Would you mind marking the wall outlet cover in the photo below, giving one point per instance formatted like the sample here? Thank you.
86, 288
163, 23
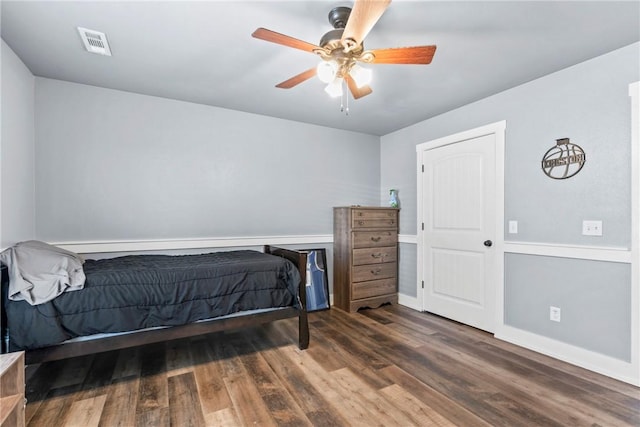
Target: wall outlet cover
591, 228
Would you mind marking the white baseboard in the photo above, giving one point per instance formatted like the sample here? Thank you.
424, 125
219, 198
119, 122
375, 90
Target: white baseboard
411, 302
596, 362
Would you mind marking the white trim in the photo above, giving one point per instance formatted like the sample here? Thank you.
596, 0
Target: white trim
490, 129
592, 253
419, 232
411, 239
634, 93
106, 246
596, 362
411, 302
500, 135
497, 129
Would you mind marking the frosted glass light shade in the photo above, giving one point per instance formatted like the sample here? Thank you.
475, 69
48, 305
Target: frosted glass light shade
334, 89
361, 76
326, 71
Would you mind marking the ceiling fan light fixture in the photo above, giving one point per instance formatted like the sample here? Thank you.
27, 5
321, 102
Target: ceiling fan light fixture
360, 75
327, 71
339, 50
334, 89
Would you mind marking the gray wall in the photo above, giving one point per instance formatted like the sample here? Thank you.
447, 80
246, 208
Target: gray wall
17, 201
538, 282
116, 165
588, 103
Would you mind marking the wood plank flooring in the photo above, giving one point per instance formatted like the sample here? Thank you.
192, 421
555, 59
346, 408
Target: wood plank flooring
385, 367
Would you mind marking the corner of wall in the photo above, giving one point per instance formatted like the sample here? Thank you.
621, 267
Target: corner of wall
17, 145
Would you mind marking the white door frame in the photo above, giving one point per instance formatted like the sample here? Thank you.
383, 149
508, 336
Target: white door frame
634, 376
498, 130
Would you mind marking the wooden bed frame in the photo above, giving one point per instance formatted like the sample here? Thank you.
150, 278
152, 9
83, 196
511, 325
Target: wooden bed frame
133, 339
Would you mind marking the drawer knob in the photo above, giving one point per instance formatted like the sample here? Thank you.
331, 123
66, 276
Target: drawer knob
375, 272
361, 222
376, 239
379, 255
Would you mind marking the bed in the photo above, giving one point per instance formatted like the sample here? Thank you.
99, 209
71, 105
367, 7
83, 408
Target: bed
141, 299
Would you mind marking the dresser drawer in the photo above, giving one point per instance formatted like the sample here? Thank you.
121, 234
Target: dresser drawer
363, 218
374, 288
368, 239
375, 255
362, 273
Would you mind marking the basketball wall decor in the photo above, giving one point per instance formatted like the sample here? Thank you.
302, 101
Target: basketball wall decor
564, 160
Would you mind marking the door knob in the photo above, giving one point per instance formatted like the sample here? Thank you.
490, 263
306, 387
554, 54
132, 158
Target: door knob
488, 243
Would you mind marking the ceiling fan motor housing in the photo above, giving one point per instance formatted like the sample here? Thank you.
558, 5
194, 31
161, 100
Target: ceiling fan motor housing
339, 16
332, 40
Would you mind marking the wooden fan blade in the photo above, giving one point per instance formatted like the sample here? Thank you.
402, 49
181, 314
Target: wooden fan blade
404, 55
363, 17
296, 80
273, 37
357, 92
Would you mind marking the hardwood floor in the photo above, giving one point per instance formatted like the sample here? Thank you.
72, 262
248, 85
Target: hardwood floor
389, 367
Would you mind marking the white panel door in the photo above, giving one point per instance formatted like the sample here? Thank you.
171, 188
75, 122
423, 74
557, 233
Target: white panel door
459, 220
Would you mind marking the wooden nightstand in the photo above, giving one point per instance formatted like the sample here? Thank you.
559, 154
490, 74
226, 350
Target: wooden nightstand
12, 389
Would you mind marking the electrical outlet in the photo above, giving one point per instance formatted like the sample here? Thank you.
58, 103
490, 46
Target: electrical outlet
554, 314
591, 228
513, 227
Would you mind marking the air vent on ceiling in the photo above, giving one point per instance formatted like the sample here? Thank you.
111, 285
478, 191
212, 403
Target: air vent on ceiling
95, 41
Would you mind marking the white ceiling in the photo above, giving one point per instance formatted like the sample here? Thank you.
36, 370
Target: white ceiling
203, 51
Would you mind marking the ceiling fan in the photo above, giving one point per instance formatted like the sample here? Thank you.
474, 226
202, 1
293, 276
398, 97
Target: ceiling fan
342, 48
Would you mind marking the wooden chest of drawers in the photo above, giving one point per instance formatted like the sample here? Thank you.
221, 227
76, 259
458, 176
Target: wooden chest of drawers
365, 257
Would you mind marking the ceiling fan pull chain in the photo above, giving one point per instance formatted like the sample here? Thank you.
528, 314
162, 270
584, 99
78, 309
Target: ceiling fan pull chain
346, 95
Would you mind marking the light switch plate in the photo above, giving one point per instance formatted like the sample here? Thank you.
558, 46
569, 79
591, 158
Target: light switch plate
591, 228
513, 227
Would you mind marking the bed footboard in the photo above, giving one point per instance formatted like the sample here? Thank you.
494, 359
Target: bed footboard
298, 258
4, 328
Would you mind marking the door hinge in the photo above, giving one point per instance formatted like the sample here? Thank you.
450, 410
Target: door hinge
423, 284
423, 226
422, 168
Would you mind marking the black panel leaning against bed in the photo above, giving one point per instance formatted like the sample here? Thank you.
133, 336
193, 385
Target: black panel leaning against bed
182, 293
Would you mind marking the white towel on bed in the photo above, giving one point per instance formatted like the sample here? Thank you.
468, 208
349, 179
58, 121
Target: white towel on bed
39, 272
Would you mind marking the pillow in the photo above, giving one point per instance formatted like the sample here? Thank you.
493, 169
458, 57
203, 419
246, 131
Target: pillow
39, 272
